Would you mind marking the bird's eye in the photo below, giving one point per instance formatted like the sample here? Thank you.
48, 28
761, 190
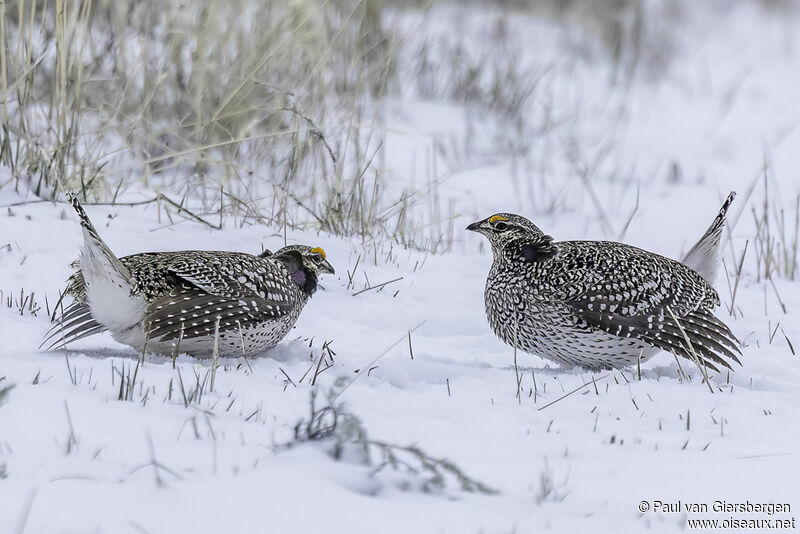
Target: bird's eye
316, 258
500, 226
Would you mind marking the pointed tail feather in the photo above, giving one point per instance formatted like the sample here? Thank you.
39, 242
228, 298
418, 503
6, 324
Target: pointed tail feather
703, 257
105, 279
94, 243
62, 342
75, 323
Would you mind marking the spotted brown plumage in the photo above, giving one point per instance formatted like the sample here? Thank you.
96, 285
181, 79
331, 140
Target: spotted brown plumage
186, 301
602, 304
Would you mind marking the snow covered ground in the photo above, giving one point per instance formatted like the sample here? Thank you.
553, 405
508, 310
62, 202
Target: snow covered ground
420, 364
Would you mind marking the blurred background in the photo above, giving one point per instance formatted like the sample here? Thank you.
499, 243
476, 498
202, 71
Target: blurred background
381, 118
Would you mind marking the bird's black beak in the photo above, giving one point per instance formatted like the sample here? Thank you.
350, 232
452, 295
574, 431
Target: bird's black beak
475, 227
327, 267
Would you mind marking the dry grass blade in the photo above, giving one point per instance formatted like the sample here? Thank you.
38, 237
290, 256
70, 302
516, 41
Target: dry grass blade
734, 290
377, 286
215, 355
577, 389
375, 360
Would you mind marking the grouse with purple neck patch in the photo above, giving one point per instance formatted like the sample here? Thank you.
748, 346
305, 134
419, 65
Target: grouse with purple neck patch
189, 301
601, 304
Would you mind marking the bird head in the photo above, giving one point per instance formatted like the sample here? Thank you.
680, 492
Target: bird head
311, 258
504, 228
304, 264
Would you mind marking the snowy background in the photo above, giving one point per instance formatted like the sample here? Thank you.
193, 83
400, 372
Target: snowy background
379, 130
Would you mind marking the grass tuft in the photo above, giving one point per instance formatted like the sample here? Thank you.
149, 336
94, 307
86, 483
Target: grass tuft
344, 437
21, 303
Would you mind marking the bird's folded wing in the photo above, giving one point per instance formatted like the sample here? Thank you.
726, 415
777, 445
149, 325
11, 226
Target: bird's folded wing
644, 308
188, 311
232, 275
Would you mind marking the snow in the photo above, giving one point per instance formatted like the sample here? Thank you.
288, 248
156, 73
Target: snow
77, 459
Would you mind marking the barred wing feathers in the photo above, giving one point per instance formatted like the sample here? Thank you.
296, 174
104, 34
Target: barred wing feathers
634, 298
256, 292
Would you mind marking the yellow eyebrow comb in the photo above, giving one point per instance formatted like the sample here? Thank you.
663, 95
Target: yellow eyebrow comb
495, 218
319, 251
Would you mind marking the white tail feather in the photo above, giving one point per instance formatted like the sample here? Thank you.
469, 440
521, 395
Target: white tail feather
704, 257
108, 288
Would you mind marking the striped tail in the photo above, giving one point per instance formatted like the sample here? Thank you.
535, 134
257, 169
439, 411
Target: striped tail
76, 322
704, 257
107, 281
